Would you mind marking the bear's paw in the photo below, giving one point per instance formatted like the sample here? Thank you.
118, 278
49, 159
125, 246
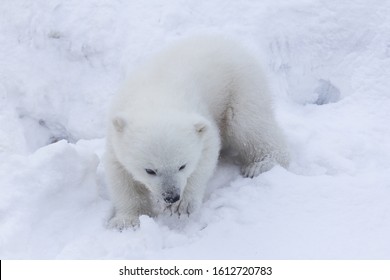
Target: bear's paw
255, 168
123, 222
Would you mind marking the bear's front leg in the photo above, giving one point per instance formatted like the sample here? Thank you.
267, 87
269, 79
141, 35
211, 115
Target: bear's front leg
193, 193
190, 202
121, 221
130, 200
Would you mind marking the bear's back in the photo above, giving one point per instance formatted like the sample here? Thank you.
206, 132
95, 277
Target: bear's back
202, 74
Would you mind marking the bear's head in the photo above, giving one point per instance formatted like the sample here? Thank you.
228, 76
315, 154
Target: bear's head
161, 153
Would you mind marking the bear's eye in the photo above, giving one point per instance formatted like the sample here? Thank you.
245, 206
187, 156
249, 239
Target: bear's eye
182, 167
150, 171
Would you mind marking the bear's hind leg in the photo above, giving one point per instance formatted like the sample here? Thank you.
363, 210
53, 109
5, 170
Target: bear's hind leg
255, 135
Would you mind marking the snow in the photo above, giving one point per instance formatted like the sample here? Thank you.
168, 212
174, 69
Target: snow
329, 68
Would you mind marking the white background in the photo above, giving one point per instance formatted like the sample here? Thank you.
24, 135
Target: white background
281, 270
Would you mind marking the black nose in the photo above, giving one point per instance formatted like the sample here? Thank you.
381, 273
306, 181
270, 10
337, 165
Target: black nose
171, 197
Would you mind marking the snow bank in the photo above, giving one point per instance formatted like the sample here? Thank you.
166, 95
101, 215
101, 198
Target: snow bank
329, 67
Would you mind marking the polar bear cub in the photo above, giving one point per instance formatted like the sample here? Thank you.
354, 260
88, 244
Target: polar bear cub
174, 115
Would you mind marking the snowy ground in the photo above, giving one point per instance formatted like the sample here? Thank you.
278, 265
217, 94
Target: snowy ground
61, 61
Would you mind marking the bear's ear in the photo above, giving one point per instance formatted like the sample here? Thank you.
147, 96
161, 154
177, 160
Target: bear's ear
200, 128
119, 123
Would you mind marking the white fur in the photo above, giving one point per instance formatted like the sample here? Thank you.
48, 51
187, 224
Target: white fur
181, 108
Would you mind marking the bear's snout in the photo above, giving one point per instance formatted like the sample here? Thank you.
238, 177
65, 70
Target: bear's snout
171, 196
